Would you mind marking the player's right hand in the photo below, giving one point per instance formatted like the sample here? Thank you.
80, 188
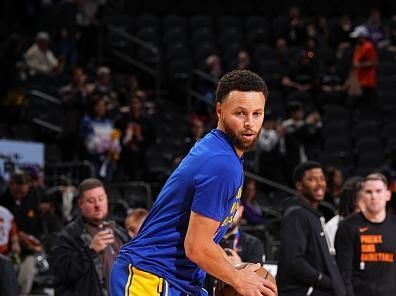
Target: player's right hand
101, 240
250, 284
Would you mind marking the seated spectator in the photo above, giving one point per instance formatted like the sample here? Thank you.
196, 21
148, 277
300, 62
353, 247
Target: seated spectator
39, 58
104, 88
134, 221
253, 213
129, 89
339, 35
296, 33
137, 135
101, 140
196, 132
282, 52
239, 247
302, 136
8, 280
332, 82
25, 207
351, 201
82, 254
301, 76
243, 61
73, 96
9, 233
268, 149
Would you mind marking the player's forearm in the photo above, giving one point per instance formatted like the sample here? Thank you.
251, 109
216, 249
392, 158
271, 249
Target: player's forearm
210, 258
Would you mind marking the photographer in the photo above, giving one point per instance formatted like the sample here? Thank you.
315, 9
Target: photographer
83, 252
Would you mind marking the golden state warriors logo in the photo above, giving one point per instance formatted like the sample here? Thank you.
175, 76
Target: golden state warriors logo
233, 210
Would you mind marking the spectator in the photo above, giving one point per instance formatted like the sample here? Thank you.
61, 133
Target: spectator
282, 52
335, 180
302, 136
82, 254
73, 96
268, 149
239, 247
339, 38
244, 61
376, 30
8, 279
9, 233
307, 263
134, 221
137, 135
196, 132
351, 201
252, 213
365, 65
68, 31
104, 88
100, 140
296, 33
366, 243
130, 88
391, 44
40, 58
301, 75
25, 208
332, 82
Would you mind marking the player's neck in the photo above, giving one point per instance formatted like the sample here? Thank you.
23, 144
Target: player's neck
237, 151
375, 217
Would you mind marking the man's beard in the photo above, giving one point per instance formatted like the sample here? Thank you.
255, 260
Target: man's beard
237, 140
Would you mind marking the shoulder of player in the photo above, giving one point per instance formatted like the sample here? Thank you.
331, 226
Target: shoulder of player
351, 221
220, 162
391, 218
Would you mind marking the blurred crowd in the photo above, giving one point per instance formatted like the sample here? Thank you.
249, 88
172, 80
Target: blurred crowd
63, 238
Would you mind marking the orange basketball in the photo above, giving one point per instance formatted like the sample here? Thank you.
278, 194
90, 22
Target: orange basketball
223, 289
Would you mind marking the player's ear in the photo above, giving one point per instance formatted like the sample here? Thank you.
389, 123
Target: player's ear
219, 108
388, 195
298, 185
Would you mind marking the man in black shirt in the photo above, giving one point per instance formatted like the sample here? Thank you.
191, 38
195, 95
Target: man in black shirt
366, 243
306, 262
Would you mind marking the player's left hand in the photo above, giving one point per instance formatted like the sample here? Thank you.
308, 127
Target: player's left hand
233, 257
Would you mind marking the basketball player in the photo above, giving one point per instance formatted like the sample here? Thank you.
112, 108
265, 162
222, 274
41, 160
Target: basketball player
178, 241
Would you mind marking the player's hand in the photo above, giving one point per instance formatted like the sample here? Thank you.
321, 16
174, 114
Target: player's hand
250, 284
101, 240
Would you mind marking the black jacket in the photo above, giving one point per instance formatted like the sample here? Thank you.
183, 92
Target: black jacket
73, 261
305, 263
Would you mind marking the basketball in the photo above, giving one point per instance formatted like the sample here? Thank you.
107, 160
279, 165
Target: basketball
223, 289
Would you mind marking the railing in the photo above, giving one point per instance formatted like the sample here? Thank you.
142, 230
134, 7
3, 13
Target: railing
155, 72
68, 173
135, 194
192, 93
45, 110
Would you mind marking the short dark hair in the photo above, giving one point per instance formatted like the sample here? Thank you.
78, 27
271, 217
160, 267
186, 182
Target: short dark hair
88, 184
239, 80
300, 170
377, 177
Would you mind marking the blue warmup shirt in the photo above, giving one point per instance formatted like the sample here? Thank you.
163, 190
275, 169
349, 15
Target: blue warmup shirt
209, 182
